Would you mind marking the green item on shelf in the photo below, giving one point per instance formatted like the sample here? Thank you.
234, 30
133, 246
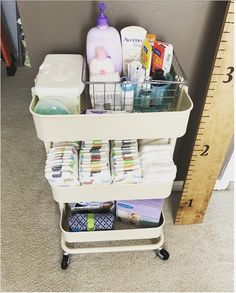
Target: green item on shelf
51, 107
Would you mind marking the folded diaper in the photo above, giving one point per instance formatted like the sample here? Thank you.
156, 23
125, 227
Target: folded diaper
156, 161
61, 168
94, 167
125, 161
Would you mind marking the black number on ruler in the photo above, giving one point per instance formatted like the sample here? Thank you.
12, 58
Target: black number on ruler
190, 203
230, 76
205, 153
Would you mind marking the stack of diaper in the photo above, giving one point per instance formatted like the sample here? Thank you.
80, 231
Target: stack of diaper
94, 165
125, 161
61, 167
156, 160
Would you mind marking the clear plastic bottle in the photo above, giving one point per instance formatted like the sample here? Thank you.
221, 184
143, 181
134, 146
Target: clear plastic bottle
104, 36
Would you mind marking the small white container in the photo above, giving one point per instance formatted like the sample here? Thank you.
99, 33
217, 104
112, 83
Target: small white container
60, 77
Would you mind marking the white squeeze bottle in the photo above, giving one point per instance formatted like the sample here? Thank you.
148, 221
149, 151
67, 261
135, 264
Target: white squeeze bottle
101, 64
104, 36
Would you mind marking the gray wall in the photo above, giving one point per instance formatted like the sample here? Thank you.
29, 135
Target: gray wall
191, 26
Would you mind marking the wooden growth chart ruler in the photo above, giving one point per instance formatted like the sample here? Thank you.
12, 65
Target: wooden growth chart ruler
214, 133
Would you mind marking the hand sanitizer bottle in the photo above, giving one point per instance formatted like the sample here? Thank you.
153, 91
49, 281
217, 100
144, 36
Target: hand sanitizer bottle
104, 36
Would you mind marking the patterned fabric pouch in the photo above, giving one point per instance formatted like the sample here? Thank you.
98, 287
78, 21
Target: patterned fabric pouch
90, 222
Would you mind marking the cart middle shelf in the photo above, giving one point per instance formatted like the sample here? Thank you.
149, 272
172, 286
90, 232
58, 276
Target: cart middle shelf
109, 192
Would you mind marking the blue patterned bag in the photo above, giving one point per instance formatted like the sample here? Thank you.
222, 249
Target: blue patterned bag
90, 222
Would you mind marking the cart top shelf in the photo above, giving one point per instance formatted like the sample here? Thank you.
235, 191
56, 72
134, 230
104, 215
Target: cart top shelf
114, 126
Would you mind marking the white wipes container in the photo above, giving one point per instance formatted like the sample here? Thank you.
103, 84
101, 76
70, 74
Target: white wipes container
59, 78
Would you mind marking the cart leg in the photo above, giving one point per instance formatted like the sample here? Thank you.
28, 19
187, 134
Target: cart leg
65, 261
162, 253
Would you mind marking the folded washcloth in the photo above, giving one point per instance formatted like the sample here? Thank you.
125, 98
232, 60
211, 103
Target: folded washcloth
157, 168
150, 148
158, 141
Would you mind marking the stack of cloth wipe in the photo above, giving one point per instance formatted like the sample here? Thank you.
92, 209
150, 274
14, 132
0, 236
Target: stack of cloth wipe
156, 160
94, 167
125, 161
61, 167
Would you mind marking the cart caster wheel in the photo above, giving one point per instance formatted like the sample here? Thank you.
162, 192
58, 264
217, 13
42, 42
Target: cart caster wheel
163, 254
65, 262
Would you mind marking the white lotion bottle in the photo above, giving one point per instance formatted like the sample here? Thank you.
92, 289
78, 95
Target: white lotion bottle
104, 36
101, 64
132, 39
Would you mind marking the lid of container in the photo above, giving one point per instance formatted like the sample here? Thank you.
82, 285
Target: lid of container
151, 37
60, 75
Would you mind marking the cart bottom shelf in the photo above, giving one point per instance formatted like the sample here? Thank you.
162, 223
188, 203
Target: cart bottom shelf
69, 248
110, 246
124, 237
121, 232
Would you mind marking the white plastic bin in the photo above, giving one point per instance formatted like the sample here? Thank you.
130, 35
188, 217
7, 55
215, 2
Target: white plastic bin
59, 77
114, 126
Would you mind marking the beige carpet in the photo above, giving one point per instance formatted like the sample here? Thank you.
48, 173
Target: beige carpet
201, 256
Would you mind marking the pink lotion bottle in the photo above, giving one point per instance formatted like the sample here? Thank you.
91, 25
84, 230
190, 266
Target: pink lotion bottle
101, 64
104, 36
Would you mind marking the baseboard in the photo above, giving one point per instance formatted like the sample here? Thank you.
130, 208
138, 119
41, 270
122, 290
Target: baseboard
177, 186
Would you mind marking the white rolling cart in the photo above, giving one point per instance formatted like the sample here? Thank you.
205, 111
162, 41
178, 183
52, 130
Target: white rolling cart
170, 123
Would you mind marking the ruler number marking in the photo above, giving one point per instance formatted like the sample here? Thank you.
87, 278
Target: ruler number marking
205, 151
230, 74
190, 203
